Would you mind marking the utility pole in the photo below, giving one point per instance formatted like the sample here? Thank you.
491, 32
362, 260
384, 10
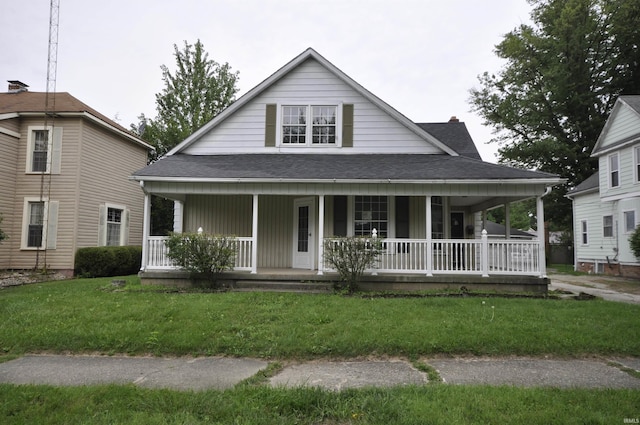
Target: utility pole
49, 116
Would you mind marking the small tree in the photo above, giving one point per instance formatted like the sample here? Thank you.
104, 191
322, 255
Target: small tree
3, 235
351, 256
634, 242
202, 254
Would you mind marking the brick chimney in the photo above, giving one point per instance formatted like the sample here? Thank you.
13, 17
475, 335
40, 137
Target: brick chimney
16, 86
454, 119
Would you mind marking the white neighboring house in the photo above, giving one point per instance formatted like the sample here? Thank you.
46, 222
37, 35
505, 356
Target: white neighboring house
606, 206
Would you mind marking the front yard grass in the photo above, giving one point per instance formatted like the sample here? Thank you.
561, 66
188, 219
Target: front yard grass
93, 316
90, 315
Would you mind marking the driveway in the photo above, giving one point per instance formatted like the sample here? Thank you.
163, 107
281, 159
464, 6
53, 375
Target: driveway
610, 288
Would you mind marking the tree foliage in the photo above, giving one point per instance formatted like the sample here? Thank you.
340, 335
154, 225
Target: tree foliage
562, 76
193, 94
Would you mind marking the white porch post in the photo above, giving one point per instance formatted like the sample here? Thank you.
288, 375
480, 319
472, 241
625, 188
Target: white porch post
429, 237
254, 237
178, 208
146, 229
320, 233
484, 255
541, 237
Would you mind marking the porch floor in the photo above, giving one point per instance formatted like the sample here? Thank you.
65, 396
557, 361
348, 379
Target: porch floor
302, 280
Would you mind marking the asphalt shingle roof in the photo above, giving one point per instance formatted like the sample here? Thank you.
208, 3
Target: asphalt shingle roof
591, 182
333, 166
455, 135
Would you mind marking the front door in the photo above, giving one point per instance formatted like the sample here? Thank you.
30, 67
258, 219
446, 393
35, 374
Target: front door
303, 233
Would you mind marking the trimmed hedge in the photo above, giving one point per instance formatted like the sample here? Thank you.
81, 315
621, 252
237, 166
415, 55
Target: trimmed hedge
107, 261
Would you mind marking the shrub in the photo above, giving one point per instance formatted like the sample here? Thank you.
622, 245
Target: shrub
634, 242
3, 235
351, 256
202, 254
106, 261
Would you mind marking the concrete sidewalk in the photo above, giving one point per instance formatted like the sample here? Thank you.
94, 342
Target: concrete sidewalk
223, 373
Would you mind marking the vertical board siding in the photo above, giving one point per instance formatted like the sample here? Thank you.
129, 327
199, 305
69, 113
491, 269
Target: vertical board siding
219, 215
275, 231
373, 130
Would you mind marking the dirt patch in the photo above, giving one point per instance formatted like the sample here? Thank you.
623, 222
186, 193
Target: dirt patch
613, 283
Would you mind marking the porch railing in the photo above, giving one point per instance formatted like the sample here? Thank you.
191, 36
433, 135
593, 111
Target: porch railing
448, 256
157, 258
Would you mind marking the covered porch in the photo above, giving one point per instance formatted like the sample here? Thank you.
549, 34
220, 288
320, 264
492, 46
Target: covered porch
432, 233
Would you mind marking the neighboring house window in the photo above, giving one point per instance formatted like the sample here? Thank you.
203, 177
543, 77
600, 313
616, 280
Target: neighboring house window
607, 226
308, 124
39, 224
35, 211
629, 221
636, 155
44, 149
437, 218
585, 237
113, 228
371, 212
614, 171
40, 151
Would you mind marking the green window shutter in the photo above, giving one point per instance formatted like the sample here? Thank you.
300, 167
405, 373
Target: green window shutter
102, 226
56, 151
347, 125
52, 225
340, 216
270, 125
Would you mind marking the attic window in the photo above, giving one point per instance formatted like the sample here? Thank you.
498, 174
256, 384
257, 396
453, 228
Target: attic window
309, 125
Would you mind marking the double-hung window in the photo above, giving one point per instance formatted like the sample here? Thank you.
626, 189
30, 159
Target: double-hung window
38, 150
309, 125
607, 226
584, 231
614, 171
35, 217
114, 226
371, 212
629, 221
636, 156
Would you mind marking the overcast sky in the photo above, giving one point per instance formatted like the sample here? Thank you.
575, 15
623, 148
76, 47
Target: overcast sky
420, 56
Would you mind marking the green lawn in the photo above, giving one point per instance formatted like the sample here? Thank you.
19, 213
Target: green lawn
89, 315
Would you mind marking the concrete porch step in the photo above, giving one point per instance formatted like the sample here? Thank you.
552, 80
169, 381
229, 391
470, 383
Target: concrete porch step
282, 286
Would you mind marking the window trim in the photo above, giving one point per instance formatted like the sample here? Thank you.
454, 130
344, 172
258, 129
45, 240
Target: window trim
24, 239
104, 224
584, 232
309, 124
636, 163
613, 171
635, 223
604, 227
31, 147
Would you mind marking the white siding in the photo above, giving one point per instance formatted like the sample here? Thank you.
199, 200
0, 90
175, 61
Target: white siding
624, 123
310, 83
588, 207
627, 173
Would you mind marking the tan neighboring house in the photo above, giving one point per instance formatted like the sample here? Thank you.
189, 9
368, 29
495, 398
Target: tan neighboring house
309, 154
64, 180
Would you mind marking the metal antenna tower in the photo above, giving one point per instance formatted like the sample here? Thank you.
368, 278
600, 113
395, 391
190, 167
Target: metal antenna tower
49, 116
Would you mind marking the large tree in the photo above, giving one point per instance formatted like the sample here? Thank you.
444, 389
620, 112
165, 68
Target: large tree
563, 73
193, 94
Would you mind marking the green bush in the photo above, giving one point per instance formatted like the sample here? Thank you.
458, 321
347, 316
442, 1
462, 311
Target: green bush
3, 235
351, 256
634, 242
202, 254
106, 261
